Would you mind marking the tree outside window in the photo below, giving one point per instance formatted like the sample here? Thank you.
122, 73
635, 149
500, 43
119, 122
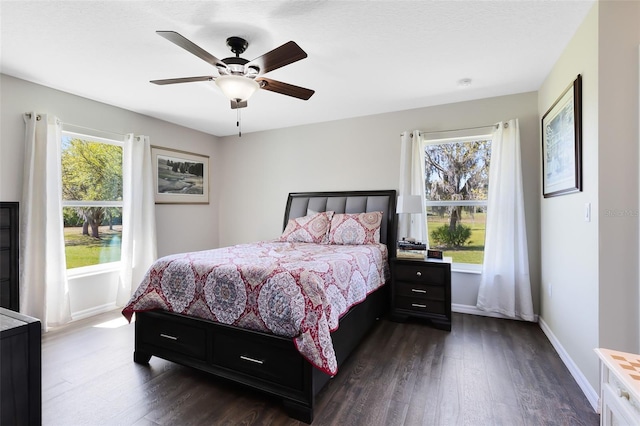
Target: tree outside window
92, 199
456, 183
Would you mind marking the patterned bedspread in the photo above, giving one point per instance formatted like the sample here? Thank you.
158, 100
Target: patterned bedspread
297, 290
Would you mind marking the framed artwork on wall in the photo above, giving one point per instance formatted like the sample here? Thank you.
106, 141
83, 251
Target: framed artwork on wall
562, 143
180, 177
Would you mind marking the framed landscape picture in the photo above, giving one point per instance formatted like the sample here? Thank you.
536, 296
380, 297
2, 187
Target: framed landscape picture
562, 143
180, 177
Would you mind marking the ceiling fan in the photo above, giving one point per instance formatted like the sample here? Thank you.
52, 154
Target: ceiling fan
239, 78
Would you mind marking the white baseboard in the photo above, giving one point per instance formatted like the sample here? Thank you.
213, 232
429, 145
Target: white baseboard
582, 381
95, 310
473, 310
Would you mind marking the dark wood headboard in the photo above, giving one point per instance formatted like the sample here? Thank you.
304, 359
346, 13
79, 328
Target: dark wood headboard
300, 203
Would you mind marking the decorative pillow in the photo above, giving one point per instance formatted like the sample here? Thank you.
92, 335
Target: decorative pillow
359, 228
308, 229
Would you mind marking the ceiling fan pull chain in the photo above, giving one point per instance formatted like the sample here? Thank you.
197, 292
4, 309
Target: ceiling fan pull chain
238, 123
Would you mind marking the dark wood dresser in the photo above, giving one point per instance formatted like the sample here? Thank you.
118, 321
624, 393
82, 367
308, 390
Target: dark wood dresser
421, 289
9, 278
20, 369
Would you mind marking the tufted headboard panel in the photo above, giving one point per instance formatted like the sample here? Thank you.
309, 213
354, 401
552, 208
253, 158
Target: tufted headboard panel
301, 203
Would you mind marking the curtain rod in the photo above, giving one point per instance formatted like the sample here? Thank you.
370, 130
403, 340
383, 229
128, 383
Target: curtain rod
496, 125
74, 128
460, 130
110, 135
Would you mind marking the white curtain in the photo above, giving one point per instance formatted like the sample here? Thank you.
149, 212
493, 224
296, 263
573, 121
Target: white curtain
505, 287
44, 290
412, 183
138, 217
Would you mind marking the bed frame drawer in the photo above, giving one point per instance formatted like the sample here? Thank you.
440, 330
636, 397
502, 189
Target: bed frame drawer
261, 358
182, 338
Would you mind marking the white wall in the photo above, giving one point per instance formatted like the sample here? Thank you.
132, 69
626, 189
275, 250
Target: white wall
179, 227
92, 294
619, 37
589, 270
261, 168
569, 296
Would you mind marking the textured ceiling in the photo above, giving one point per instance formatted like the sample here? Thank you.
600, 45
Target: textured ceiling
364, 57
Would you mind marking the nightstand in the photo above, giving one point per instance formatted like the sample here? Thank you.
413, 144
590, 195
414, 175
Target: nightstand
422, 289
20, 369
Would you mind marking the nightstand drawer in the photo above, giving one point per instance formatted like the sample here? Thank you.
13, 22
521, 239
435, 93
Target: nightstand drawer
419, 290
5, 238
5, 268
420, 272
420, 305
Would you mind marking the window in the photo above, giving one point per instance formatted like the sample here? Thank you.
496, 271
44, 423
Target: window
91, 199
456, 184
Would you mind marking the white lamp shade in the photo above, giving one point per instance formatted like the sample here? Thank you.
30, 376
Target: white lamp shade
409, 204
236, 87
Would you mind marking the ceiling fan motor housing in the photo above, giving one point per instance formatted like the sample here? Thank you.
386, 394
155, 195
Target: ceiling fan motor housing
237, 45
236, 64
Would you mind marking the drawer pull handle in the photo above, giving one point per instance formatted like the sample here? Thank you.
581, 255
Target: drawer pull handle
417, 305
418, 290
255, 361
623, 394
418, 274
166, 336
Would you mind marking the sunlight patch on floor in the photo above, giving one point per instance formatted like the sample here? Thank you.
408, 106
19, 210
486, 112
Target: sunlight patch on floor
114, 323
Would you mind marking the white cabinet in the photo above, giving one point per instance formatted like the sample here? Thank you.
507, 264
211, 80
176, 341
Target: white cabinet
619, 388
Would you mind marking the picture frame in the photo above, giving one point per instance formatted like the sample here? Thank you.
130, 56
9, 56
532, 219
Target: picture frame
562, 143
179, 177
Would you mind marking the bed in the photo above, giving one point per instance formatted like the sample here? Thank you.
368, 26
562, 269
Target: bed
291, 363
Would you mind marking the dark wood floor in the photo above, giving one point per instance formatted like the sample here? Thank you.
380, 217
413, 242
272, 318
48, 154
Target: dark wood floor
486, 371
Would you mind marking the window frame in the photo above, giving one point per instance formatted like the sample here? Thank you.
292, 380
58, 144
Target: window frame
473, 268
111, 140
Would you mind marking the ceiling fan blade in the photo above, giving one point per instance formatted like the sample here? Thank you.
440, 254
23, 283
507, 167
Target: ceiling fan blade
285, 88
279, 57
191, 47
235, 104
183, 80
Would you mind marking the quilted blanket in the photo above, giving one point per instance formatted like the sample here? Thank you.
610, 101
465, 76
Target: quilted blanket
297, 290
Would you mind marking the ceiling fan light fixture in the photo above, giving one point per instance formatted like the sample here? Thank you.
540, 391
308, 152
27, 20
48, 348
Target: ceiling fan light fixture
237, 88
